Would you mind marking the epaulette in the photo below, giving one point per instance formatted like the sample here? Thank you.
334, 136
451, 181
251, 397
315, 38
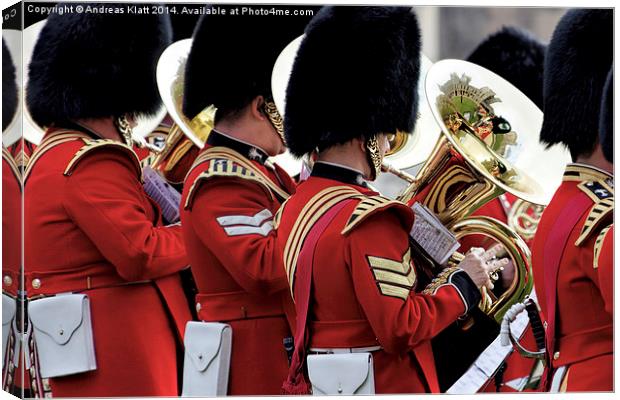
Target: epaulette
603, 197
6, 156
92, 145
373, 204
598, 245
221, 167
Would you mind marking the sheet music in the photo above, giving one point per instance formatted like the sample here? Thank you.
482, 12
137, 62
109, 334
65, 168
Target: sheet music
430, 233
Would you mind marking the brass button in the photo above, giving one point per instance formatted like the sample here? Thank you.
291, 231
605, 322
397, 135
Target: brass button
545, 325
8, 281
198, 307
36, 283
556, 355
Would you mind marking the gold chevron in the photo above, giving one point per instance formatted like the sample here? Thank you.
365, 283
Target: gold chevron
394, 278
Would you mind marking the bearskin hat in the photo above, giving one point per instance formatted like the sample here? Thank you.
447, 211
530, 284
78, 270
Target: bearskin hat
576, 65
96, 65
355, 75
232, 57
9, 87
606, 130
515, 55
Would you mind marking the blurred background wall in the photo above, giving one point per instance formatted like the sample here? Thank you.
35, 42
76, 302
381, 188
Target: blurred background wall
454, 32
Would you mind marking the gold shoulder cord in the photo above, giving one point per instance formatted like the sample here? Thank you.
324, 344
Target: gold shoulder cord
309, 215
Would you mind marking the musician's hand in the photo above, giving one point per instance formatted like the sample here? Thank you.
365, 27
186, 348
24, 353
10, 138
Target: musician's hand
478, 264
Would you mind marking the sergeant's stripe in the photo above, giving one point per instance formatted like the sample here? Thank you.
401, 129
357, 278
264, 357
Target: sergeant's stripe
394, 278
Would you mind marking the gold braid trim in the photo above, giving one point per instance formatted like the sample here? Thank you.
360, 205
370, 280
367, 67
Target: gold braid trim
48, 143
316, 207
226, 169
598, 245
8, 157
596, 216
440, 280
98, 144
229, 154
368, 206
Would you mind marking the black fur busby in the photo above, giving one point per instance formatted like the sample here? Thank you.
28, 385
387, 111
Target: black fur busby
576, 65
9, 87
355, 75
606, 130
232, 57
96, 65
515, 55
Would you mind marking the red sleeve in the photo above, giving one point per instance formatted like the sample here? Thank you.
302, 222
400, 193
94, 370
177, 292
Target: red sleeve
106, 200
233, 218
378, 248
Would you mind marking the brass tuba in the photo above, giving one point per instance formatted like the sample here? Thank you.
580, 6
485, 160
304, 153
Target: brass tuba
488, 146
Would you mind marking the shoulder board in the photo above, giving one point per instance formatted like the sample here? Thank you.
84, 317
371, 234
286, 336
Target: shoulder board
371, 205
598, 244
221, 167
100, 144
8, 157
598, 214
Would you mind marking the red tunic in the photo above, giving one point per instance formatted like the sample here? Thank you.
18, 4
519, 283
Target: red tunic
583, 313
363, 281
226, 218
90, 228
11, 251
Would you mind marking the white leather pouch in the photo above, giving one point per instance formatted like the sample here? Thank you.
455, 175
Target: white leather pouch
9, 308
341, 374
207, 359
63, 334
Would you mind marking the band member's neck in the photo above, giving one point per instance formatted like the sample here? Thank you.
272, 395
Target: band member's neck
250, 125
103, 128
349, 154
597, 159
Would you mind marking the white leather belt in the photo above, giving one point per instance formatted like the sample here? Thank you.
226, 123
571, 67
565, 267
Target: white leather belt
345, 350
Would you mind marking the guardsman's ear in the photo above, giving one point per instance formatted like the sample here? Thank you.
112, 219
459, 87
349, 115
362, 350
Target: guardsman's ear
257, 108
